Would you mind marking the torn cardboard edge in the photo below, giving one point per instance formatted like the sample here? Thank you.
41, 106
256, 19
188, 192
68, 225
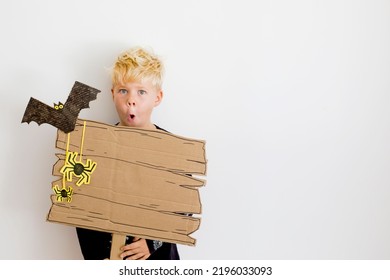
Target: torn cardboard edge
170, 152
141, 180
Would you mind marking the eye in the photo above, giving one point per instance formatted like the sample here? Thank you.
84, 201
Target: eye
142, 92
122, 91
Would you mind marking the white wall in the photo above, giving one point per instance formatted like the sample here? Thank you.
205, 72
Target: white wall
292, 98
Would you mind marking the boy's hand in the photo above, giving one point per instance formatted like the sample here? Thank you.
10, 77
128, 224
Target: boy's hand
138, 250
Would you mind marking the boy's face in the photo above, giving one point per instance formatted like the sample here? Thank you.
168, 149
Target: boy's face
134, 102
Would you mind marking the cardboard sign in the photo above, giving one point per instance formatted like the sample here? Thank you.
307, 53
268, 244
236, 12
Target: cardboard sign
128, 181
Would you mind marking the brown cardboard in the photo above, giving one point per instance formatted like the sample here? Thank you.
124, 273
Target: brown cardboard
117, 242
141, 185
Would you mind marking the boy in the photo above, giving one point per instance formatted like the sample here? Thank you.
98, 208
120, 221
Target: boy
136, 90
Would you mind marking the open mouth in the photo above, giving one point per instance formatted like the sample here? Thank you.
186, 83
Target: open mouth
131, 117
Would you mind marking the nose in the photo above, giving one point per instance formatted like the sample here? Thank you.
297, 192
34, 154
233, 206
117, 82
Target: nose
131, 100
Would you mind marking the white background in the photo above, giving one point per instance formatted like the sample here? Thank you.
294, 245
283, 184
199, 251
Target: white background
292, 98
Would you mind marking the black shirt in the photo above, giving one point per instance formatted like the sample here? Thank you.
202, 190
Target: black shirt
96, 245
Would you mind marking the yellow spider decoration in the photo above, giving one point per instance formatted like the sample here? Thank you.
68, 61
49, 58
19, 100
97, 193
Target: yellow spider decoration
77, 168
63, 193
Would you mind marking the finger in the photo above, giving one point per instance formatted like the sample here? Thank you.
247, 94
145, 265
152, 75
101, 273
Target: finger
145, 257
127, 253
135, 256
137, 242
131, 246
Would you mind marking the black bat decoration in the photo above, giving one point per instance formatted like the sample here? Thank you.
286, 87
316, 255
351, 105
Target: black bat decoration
64, 119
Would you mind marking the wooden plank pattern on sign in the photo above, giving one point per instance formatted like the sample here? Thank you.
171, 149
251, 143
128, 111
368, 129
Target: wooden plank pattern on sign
142, 184
101, 214
170, 152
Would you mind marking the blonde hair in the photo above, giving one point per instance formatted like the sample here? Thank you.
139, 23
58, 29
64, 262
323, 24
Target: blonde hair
137, 64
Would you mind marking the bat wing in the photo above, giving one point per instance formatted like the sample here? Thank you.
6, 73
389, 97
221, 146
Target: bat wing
64, 119
41, 113
79, 98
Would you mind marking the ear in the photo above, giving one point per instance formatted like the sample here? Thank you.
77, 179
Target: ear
159, 97
112, 93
